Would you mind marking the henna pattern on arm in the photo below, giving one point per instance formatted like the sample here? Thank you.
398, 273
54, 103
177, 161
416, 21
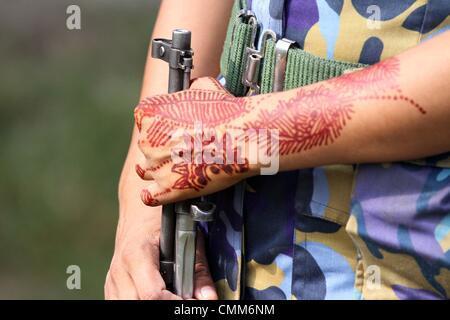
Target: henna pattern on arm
313, 117
317, 115
377, 79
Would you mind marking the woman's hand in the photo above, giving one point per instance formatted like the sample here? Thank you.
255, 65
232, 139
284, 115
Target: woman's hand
134, 271
186, 138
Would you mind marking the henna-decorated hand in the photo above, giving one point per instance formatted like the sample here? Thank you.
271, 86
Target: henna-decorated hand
302, 119
176, 126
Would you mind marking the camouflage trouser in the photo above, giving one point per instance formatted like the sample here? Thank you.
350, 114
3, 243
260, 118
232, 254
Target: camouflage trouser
301, 238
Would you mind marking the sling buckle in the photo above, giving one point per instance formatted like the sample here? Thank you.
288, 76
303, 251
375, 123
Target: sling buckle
253, 59
281, 52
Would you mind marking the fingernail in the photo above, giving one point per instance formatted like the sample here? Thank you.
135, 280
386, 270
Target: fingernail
208, 293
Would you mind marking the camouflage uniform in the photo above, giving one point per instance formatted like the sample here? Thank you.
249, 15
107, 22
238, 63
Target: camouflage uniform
378, 231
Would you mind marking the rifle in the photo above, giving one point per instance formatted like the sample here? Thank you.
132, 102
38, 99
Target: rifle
179, 220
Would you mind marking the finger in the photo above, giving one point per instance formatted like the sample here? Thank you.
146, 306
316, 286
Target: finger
143, 268
155, 195
145, 169
208, 83
166, 295
143, 172
204, 285
142, 168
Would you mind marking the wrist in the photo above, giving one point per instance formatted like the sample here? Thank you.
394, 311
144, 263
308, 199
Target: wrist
261, 147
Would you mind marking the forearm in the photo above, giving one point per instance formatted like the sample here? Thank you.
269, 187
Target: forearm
208, 33
396, 110
207, 20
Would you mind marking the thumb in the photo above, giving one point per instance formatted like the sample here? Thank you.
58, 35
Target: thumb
204, 285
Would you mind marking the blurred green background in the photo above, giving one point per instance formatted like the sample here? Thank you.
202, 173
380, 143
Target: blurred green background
66, 101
